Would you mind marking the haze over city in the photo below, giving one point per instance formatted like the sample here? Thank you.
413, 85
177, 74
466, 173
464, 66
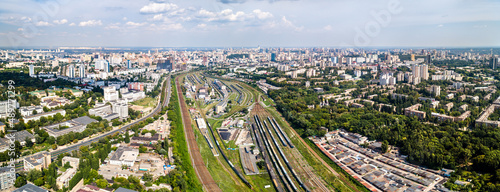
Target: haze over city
249, 23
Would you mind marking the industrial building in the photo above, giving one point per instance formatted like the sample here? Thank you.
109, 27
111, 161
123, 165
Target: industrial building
74, 125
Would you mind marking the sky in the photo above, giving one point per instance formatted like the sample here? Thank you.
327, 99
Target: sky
250, 23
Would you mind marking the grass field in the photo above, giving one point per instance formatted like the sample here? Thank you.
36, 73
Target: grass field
145, 102
179, 142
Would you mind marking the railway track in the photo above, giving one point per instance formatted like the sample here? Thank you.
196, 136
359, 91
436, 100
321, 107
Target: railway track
344, 180
269, 166
297, 165
199, 166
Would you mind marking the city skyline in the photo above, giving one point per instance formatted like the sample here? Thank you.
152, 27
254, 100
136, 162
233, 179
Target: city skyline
246, 23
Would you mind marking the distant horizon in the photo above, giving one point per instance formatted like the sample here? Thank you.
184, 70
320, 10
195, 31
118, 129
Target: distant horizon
252, 47
249, 23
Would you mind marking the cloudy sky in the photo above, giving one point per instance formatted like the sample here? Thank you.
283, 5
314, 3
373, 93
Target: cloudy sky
249, 23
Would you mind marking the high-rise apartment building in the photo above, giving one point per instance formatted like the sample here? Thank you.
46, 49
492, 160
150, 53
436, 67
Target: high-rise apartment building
71, 71
81, 71
32, 70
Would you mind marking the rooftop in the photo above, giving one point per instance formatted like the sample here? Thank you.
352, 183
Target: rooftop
125, 153
121, 189
30, 188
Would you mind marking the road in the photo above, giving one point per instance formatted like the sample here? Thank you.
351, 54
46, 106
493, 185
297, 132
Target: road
77, 146
196, 160
158, 108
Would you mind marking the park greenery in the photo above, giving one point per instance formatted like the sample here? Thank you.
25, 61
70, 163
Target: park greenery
435, 146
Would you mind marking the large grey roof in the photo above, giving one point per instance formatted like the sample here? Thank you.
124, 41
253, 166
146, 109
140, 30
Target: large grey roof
30, 188
84, 120
21, 135
121, 189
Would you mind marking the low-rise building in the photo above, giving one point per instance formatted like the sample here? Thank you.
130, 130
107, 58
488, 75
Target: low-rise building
20, 136
318, 90
73, 162
448, 106
131, 96
110, 112
450, 96
38, 161
74, 125
434, 104
464, 107
413, 111
28, 110
63, 180
124, 156
46, 114
30, 188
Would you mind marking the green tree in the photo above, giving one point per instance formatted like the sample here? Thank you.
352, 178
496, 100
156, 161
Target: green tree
147, 177
127, 137
385, 146
20, 181
39, 181
102, 183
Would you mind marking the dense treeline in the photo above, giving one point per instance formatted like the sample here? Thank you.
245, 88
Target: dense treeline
424, 144
185, 178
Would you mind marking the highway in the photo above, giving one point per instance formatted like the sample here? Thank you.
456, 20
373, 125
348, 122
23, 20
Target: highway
77, 146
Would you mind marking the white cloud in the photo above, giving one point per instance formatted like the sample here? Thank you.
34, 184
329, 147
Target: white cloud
226, 15
328, 28
440, 25
42, 23
157, 17
25, 19
166, 27
288, 23
124, 18
158, 8
60, 22
133, 24
113, 26
90, 23
72, 24
261, 14
20, 29
206, 14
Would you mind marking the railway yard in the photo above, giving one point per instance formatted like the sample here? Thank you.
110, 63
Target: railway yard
234, 134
